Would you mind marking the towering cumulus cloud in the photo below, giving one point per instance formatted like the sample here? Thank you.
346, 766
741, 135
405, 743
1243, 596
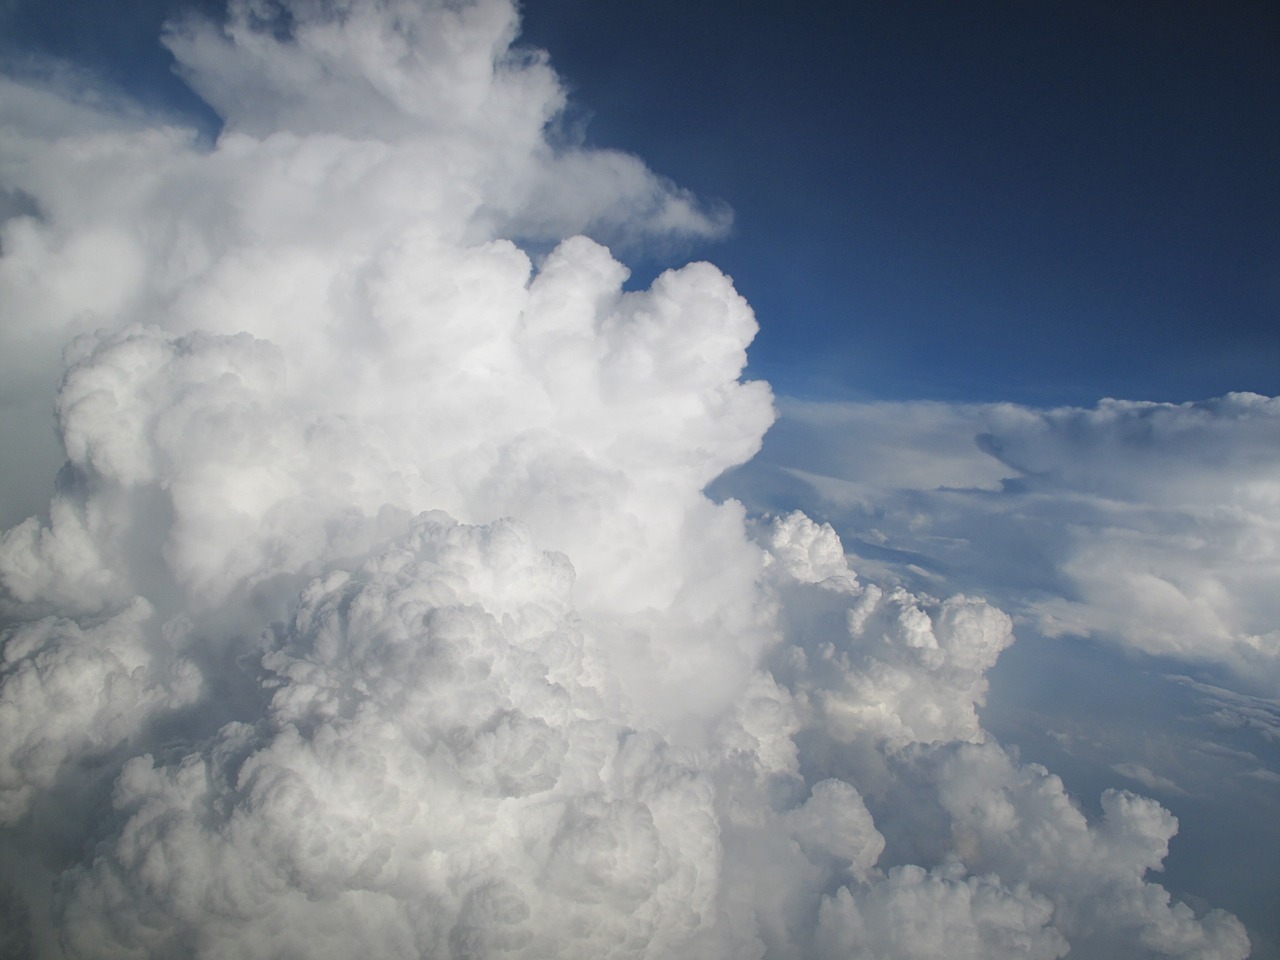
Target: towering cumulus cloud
378, 610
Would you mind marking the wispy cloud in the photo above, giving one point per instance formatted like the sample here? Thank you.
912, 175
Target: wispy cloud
1148, 778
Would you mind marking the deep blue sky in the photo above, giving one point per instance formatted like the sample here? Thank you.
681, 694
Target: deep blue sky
1037, 201
1044, 202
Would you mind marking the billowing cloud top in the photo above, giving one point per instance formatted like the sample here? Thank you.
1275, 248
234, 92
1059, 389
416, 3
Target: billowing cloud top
378, 609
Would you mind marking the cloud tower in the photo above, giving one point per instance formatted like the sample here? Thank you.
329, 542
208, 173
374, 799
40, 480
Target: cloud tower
378, 609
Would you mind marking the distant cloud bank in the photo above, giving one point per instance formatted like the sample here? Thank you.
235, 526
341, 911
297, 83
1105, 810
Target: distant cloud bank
1152, 525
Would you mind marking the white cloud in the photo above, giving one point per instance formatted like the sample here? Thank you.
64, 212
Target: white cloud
903, 668
1020, 823
1147, 777
1152, 525
378, 608
75, 693
915, 913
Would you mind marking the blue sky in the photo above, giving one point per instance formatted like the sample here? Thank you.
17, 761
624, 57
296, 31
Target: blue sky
1038, 202
960, 226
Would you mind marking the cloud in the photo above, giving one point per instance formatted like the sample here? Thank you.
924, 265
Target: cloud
1152, 525
1021, 823
1147, 777
378, 607
907, 668
1232, 710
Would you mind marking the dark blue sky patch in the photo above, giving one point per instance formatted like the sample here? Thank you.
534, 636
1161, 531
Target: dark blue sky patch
1033, 202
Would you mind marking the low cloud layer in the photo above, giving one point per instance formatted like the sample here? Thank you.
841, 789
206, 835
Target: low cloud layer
377, 607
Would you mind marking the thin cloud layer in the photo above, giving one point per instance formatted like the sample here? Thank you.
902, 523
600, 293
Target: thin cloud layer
377, 608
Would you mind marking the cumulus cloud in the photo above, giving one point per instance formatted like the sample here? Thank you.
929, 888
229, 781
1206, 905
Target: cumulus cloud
378, 607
